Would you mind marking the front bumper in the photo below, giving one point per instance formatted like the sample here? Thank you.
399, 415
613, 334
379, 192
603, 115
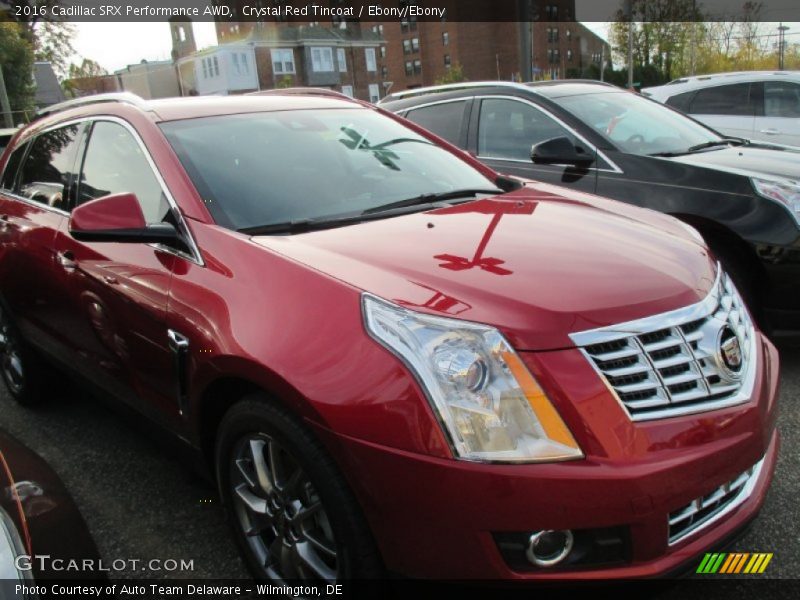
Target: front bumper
438, 518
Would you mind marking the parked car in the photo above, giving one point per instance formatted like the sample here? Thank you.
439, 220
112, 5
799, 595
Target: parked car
389, 356
42, 533
743, 198
756, 105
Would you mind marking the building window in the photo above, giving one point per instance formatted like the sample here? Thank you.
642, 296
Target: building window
415, 44
569, 55
347, 90
445, 39
282, 61
374, 92
569, 35
417, 67
342, 60
409, 68
245, 64
383, 51
384, 72
551, 12
236, 66
216, 67
447, 61
372, 64
205, 68
322, 60
406, 46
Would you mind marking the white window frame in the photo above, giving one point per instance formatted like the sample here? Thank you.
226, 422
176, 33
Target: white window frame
236, 67
341, 58
347, 90
322, 59
215, 62
374, 92
279, 57
372, 62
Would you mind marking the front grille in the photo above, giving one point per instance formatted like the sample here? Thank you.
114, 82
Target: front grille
674, 364
702, 512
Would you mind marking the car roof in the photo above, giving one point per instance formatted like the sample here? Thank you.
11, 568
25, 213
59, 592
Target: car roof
687, 84
550, 89
173, 109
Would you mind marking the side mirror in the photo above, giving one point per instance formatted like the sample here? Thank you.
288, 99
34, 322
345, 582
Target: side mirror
560, 151
118, 218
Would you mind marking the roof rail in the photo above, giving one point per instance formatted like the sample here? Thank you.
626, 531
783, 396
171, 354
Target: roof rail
558, 81
122, 97
301, 91
448, 87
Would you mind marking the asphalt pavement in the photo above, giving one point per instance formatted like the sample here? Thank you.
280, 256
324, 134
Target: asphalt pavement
142, 501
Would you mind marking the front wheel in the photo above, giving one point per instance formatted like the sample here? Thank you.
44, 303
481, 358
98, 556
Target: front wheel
21, 368
293, 516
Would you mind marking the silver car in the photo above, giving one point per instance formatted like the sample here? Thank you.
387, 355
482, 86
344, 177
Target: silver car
756, 105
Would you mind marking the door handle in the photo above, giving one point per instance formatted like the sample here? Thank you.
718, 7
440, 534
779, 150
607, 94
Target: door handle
67, 260
771, 131
110, 280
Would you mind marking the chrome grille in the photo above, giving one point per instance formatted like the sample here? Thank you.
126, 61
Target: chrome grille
674, 364
702, 512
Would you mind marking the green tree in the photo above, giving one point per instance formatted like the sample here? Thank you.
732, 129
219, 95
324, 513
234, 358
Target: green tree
87, 69
16, 60
455, 74
53, 43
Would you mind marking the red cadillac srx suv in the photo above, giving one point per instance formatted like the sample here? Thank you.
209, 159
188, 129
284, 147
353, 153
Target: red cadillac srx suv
391, 358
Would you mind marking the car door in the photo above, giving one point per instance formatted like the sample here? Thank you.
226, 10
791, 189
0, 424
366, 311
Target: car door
780, 122
504, 129
730, 109
118, 292
36, 187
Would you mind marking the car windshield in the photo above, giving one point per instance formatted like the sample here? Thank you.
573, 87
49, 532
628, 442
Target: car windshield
262, 169
637, 125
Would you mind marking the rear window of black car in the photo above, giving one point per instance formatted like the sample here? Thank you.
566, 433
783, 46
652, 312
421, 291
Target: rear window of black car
445, 119
260, 169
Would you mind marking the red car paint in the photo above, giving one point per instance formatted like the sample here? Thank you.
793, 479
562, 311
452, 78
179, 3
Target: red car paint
283, 314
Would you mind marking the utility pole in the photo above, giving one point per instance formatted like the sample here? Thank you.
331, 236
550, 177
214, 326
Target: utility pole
5, 107
781, 45
694, 37
629, 10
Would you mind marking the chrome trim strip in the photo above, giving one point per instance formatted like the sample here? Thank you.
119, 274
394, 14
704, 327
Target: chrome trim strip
654, 323
614, 168
740, 498
33, 203
195, 256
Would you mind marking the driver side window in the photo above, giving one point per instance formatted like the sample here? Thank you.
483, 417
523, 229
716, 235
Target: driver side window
115, 163
509, 128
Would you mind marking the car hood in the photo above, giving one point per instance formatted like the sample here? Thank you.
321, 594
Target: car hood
534, 264
751, 161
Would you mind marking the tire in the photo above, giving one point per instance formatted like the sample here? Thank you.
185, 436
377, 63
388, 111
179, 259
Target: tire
278, 484
23, 371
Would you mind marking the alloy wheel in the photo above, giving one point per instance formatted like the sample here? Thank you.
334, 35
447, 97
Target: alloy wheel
280, 513
11, 356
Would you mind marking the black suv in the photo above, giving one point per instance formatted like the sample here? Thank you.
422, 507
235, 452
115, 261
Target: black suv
743, 197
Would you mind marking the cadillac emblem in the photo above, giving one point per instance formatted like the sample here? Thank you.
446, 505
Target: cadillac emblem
730, 350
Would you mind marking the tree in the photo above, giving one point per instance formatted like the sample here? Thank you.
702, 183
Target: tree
86, 70
16, 60
53, 43
455, 74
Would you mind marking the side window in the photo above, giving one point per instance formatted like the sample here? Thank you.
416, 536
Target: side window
509, 128
781, 99
48, 168
733, 99
12, 167
115, 163
680, 101
445, 120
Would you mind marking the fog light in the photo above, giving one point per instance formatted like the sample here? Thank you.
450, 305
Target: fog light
550, 547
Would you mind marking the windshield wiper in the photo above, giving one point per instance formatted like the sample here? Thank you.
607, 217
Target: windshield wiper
430, 198
713, 144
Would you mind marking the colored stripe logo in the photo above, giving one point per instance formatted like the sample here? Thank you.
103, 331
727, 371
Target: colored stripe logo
734, 563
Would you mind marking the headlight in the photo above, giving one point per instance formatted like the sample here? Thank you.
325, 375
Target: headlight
489, 404
786, 192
